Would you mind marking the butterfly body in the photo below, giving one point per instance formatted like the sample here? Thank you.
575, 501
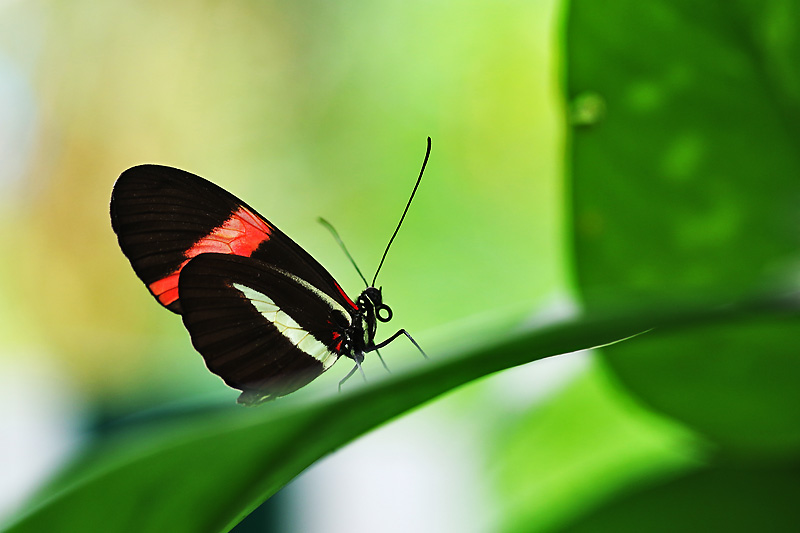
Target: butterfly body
265, 315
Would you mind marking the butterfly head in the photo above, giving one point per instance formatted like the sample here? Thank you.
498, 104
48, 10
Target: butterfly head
373, 297
371, 310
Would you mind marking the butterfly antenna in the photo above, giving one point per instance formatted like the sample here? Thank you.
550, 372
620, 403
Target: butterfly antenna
424, 162
344, 248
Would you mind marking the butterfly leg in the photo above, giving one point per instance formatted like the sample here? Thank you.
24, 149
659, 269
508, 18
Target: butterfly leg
393, 337
353, 371
382, 361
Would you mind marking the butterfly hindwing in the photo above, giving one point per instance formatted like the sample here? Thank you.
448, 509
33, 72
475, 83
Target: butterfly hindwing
164, 217
262, 329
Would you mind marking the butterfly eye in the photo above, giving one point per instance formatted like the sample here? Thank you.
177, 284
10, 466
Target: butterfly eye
384, 317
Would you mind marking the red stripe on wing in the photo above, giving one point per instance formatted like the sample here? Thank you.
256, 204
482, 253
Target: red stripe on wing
349, 301
166, 289
241, 234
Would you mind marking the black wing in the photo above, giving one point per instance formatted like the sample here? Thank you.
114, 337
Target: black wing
164, 217
262, 329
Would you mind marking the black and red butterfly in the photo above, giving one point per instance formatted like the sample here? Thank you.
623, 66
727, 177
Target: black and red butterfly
265, 315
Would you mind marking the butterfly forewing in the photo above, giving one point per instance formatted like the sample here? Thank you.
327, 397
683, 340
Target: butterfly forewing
260, 328
164, 217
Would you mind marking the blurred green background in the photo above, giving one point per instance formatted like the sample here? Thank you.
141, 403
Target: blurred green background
304, 110
583, 157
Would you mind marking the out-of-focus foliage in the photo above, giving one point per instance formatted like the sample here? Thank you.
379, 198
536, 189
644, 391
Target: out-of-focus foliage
686, 181
719, 499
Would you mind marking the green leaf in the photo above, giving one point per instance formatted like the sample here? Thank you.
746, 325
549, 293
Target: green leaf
581, 448
686, 185
715, 499
205, 473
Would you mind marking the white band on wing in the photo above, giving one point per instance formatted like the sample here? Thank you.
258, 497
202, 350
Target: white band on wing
288, 326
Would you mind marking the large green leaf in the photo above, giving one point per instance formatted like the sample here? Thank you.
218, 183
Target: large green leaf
582, 448
714, 499
205, 473
687, 183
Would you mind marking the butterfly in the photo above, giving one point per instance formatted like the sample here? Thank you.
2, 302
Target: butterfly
264, 314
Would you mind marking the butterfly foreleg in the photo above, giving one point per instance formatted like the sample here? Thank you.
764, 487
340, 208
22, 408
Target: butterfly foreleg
393, 337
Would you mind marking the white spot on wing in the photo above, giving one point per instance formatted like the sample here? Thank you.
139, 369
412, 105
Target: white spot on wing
288, 327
